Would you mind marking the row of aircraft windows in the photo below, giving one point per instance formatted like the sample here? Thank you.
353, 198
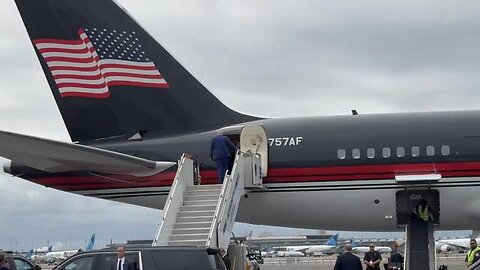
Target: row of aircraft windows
400, 152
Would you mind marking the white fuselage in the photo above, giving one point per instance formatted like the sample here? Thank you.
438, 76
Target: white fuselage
367, 249
446, 245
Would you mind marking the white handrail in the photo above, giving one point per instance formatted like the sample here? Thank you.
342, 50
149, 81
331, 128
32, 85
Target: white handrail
168, 204
229, 199
220, 205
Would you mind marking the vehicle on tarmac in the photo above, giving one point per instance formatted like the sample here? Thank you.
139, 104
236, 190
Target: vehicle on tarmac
148, 258
19, 262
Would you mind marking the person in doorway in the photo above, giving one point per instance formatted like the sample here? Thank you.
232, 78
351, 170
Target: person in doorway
473, 255
423, 211
372, 259
347, 261
226, 259
396, 259
221, 149
122, 263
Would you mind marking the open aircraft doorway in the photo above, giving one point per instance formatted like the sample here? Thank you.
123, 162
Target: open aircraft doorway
254, 139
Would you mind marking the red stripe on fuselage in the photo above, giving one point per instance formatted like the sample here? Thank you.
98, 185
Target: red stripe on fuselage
275, 175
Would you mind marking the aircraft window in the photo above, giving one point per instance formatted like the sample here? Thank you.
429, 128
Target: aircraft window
341, 154
445, 150
386, 152
400, 151
356, 153
370, 152
430, 151
415, 151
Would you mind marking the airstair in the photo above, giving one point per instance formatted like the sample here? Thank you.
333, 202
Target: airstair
203, 215
420, 245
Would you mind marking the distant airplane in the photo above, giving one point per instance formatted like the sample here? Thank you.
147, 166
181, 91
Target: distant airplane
329, 247
447, 245
38, 253
54, 256
381, 249
294, 251
29, 254
287, 252
131, 110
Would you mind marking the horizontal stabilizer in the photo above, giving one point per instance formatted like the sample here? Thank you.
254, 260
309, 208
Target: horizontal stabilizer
56, 157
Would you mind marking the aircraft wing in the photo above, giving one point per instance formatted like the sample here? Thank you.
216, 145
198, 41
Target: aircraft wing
56, 157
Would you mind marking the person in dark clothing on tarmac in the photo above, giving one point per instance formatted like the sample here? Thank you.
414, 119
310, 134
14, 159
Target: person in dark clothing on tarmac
348, 261
396, 259
372, 259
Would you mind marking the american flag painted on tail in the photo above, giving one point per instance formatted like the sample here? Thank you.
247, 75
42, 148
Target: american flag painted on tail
100, 58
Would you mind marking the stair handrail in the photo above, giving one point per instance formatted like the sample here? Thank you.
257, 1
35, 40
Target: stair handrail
222, 197
168, 203
226, 201
218, 209
475, 266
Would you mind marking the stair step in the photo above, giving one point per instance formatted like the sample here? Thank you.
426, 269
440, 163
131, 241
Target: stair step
198, 208
188, 243
200, 202
196, 236
204, 187
203, 230
194, 219
186, 225
198, 197
205, 213
201, 192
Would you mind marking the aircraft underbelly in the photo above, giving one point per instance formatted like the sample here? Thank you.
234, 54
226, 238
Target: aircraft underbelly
339, 210
349, 206
358, 209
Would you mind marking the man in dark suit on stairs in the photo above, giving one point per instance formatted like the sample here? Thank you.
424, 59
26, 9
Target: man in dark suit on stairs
221, 150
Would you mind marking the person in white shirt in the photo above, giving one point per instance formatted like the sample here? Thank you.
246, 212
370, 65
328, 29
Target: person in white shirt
122, 263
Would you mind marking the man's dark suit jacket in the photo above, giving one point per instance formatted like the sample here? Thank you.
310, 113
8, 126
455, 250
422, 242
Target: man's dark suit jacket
221, 147
127, 265
348, 261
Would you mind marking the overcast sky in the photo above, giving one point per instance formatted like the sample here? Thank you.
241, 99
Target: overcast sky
268, 58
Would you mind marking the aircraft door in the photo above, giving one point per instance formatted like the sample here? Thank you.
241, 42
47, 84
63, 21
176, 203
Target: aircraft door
254, 139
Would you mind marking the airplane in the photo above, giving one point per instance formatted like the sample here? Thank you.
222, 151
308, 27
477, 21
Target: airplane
381, 249
447, 245
53, 256
29, 254
309, 250
37, 254
329, 247
131, 110
286, 252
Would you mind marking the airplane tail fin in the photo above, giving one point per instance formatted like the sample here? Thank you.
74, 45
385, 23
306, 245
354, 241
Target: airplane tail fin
110, 78
91, 243
50, 249
333, 240
29, 254
353, 243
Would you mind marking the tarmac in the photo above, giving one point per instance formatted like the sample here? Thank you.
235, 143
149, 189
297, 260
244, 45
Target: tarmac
455, 262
